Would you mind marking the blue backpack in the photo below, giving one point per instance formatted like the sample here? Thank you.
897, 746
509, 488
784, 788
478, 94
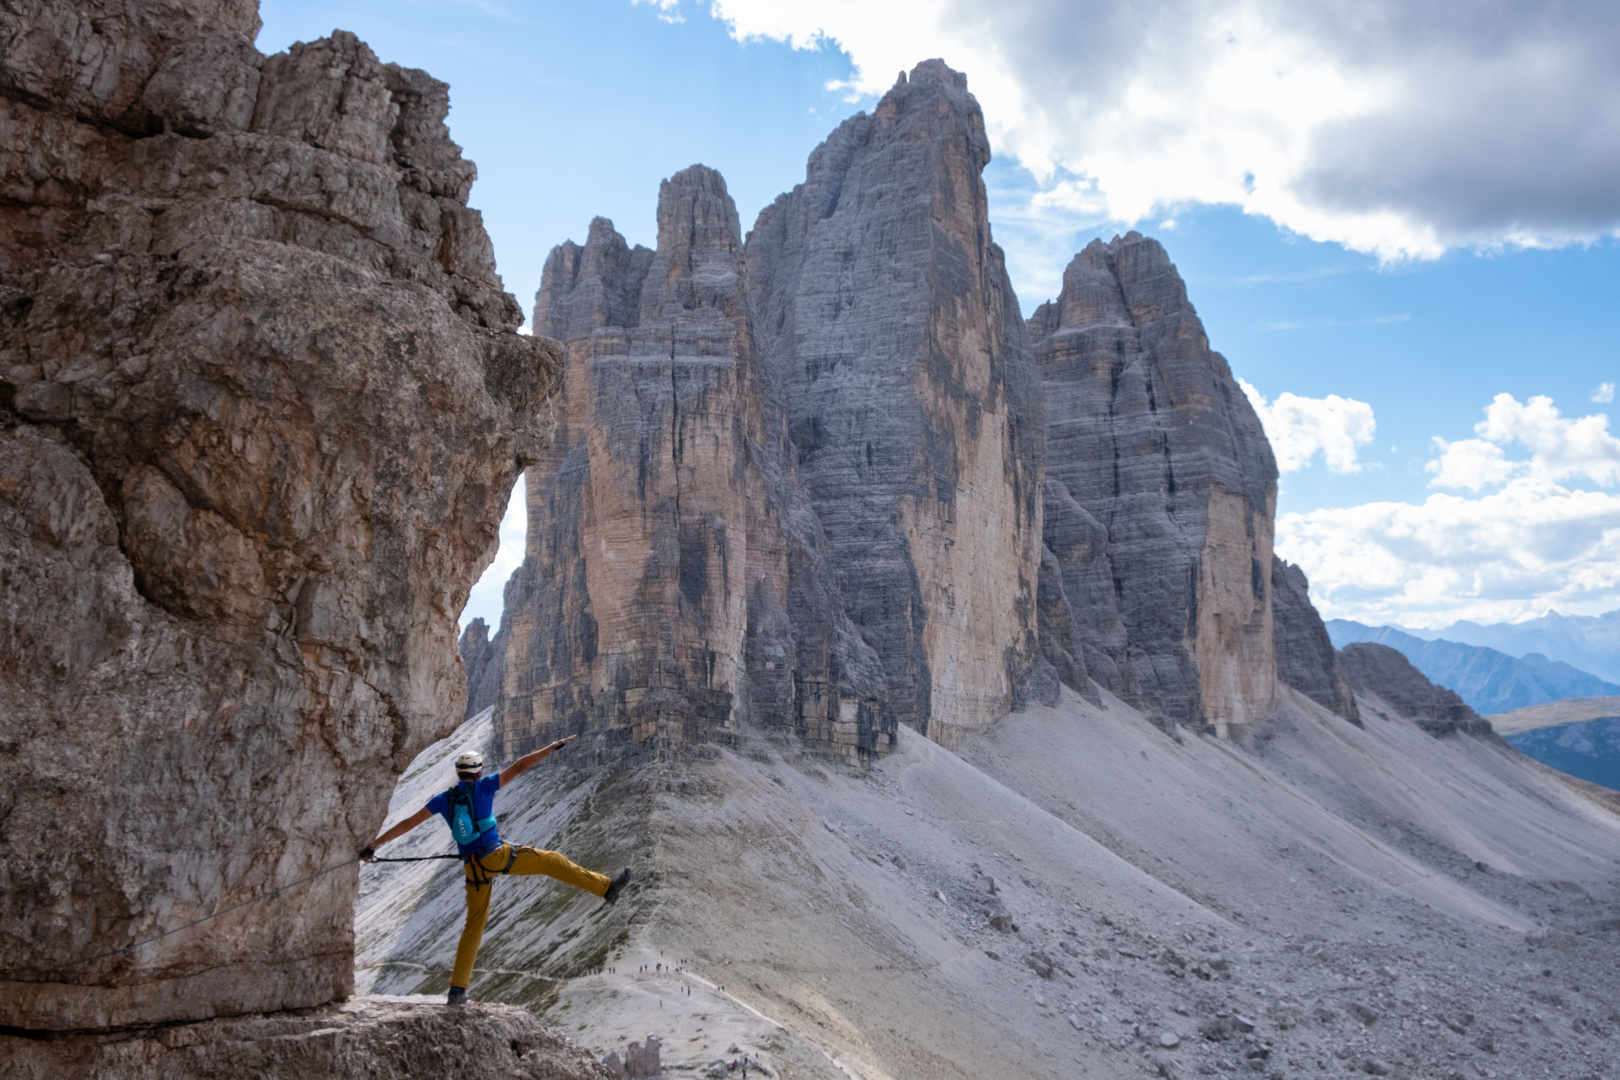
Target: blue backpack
463, 825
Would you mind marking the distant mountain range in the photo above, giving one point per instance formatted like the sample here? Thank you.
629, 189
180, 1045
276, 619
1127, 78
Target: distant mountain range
1489, 679
1588, 642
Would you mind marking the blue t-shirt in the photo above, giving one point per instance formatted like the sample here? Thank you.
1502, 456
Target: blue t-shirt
483, 806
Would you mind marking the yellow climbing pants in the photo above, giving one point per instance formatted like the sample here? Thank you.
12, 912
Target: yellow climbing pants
510, 859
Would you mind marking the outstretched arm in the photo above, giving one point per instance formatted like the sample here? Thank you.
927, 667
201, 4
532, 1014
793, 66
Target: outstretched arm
529, 761
397, 831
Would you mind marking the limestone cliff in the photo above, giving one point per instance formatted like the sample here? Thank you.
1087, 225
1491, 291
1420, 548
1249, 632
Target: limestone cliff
675, 578
482, 661
263, 403
795, 481
1160, 493
1306, 659
883, 311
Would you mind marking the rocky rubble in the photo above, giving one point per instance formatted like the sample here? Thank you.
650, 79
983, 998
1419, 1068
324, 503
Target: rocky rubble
261, 405
1076, 894
365, 1036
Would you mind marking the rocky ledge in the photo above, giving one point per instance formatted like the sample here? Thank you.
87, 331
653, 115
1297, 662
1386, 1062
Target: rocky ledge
365, 1036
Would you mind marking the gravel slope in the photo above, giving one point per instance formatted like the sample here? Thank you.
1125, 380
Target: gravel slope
1327, 901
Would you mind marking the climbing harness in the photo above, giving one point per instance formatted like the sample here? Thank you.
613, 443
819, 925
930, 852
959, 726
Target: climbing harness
487, 875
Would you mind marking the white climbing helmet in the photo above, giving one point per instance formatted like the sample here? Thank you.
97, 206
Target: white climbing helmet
469, 761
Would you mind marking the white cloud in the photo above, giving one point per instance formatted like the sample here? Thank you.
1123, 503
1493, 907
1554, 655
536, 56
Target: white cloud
668, 10
1299, 427
1535, 544
1037, 228
1471, 464
1509, 555
1559, 448
1604, 393
1396, 128
488, 594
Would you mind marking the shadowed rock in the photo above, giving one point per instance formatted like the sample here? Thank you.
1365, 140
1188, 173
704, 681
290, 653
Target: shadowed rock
366, 1036
1166, 555
263, 405
1380, 670
883, 311
1306, 659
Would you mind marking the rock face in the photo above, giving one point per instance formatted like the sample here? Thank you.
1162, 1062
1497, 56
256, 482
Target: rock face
363, 1037
1380, 670
1306, 659
795, 481
1160, 492
884, 312
675, 575
482, 662
262, 406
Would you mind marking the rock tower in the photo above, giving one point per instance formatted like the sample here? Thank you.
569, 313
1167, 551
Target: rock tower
884, 312
676, 576
797, 479
1160, 492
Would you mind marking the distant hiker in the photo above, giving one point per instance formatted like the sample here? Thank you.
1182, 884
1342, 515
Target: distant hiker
469, 808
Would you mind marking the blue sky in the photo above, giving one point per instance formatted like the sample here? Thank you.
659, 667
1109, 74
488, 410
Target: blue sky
1234, 142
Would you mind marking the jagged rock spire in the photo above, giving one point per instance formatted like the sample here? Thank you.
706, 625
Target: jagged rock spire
884, 312
1167, 561
675, 582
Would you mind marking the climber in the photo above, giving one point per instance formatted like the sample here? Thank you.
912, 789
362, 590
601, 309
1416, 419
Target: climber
469, 808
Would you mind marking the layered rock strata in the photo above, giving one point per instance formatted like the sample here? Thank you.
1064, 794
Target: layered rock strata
1160, 492
883, 310
1306, 658
263, 403
797, 481
675, 579
1378, 670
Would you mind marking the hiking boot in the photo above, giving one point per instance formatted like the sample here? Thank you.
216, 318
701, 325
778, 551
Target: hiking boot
616, 886
458, 996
